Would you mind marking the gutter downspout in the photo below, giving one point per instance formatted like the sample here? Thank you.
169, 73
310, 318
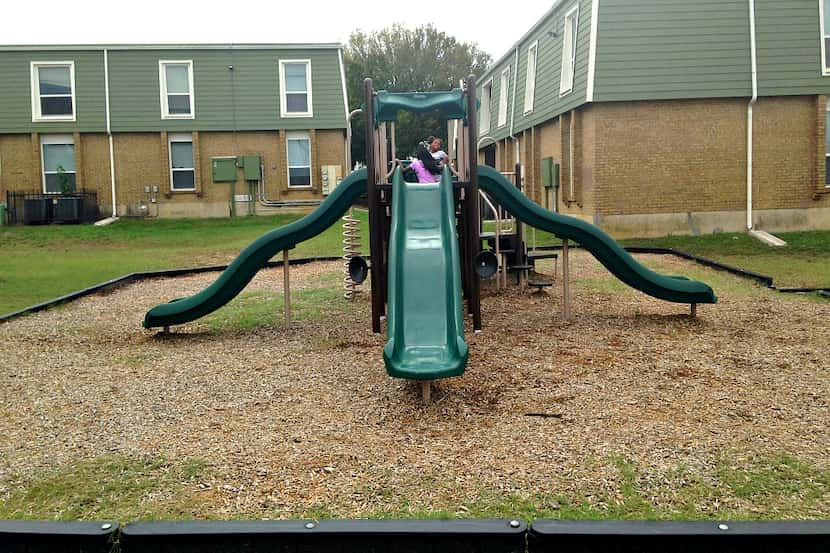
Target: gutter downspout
749, 133
513, 104
109, 130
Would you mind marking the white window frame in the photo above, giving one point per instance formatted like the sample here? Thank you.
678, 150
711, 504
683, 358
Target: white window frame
566, 85
165, 108
37, 116
180, 137
824, 35
530, 77
484, 122
504, 92
284, 113
295, 135
55, 139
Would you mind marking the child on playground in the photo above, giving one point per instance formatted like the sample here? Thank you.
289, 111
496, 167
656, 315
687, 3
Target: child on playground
438, 154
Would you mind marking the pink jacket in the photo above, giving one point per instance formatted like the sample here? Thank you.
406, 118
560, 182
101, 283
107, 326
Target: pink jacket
424, 176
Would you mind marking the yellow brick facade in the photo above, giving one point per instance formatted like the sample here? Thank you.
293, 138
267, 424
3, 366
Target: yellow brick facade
142, 160
649, 168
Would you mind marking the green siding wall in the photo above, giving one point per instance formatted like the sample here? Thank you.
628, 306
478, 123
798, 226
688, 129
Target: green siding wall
252, 87
788, 36
672, 49
134, 86
547, 103
16, 92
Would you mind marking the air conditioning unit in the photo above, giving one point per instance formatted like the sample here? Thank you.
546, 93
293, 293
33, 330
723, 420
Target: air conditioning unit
37, 211
67, 210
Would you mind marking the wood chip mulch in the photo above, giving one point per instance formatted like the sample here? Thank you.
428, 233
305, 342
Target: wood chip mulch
307, 416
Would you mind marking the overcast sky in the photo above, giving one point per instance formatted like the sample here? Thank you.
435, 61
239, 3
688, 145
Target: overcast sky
188, 21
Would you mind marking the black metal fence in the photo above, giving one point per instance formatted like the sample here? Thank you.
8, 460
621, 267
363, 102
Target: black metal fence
416, 536
37, 208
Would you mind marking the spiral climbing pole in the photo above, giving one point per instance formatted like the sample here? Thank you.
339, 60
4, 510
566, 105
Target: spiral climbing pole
351, 248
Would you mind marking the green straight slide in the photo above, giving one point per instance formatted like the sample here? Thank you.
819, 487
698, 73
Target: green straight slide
621, 264
425, 324
255, 256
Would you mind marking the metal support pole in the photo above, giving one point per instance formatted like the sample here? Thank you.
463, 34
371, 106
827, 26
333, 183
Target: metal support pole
472, 222
375, 240
694, 310
286, 288
566, 292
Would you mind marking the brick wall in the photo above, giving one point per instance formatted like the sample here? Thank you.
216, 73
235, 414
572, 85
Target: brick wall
142, 159
16, 161
682, 156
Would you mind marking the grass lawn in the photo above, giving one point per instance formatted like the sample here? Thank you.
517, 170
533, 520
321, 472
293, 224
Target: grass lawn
40, 263
128, 489
804, 261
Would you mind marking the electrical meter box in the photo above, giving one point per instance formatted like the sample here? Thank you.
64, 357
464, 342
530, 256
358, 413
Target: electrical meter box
251, 166
223, 169
550, 173
331, 177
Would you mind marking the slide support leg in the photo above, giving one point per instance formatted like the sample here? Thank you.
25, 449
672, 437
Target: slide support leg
286, 267
566, 292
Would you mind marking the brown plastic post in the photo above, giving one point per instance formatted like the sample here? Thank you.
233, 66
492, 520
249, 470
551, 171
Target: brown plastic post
472, 221
566, 292
286, 290
375, 236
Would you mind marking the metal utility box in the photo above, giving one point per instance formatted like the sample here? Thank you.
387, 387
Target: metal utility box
331, 177
547, 170
224, 169
251, 166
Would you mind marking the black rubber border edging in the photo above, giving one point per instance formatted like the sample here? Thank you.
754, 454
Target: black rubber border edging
762, 279
143, 275
418, 536
705, 261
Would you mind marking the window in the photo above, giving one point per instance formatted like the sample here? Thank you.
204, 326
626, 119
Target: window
299, 159
503, 92
295, 84
58, 161
53, 91
530, 79
176, 86
827, 148
484, 114
824, 18
566, 83
182, 170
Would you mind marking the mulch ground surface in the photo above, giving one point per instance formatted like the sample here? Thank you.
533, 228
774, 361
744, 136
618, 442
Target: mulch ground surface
306, 415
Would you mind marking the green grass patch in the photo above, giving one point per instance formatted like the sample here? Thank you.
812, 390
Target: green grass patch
257, 309
125, 489
108, 488
804, 261
41, 263
775, 487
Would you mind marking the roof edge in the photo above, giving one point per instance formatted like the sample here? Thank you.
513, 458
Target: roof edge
198, 46
524, 37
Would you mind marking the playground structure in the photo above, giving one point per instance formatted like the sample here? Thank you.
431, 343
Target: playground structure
426, 255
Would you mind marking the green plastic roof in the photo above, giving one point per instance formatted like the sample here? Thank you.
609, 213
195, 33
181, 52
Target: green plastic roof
451, 103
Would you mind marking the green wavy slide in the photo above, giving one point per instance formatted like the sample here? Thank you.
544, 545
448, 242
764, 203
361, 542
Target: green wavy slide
425, 324
240, 272
604, 248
